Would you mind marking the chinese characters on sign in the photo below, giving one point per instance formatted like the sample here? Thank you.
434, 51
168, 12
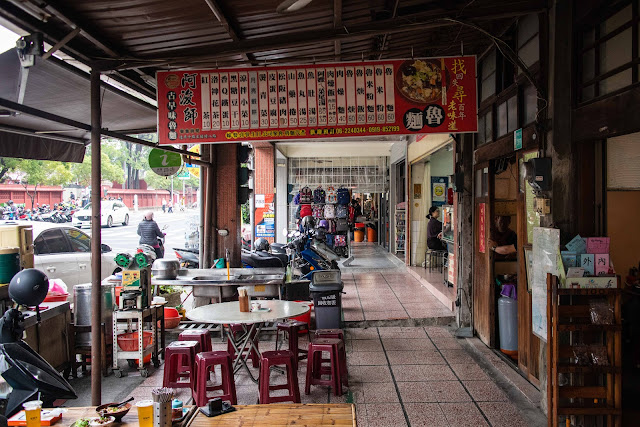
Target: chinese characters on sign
433, 95
481, 230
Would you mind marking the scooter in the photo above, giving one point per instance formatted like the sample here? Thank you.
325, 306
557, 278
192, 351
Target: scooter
189, 258
311, 254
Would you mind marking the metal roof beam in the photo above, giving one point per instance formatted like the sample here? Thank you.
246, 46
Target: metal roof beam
14, 106
394, 11
401, 24
228, 26
337, 23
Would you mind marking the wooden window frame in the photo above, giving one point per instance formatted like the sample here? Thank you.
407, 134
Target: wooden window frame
593, 22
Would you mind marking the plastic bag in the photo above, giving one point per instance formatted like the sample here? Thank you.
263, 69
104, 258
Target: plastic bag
598, 355
601, 313
581, 355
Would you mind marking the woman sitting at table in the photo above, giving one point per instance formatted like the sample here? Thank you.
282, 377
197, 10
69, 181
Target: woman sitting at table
434, 230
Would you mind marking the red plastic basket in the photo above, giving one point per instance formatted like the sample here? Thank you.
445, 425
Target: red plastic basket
56, 297
171, 318
129, 341
306, 317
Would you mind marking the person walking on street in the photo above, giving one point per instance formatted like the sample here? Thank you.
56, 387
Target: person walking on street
170, 206
149, 232
164, 204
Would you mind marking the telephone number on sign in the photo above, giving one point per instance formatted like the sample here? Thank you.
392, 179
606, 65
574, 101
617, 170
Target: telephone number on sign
369, 129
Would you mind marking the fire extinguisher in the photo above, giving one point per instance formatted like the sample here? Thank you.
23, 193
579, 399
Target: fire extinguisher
450, 196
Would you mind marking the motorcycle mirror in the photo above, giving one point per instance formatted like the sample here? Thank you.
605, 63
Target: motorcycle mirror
105, 248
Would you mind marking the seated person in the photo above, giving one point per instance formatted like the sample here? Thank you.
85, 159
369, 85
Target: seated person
434, 230
503, 240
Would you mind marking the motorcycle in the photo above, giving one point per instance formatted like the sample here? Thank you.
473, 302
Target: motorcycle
311, 253
189, 258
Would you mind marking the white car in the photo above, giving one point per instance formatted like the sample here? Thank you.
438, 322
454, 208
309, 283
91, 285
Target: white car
113, 212
64, 252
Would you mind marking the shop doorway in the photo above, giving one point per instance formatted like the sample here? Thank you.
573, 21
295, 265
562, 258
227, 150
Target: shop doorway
503, 222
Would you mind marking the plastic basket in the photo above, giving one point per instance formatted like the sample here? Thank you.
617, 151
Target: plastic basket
306, 317
129, 341
171, 318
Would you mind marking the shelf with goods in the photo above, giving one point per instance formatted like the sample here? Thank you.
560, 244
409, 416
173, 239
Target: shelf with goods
584, 353
401, 225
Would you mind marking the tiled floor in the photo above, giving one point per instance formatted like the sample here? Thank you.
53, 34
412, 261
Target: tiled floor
413, 376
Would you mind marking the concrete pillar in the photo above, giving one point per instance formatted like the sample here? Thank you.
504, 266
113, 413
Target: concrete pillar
465, 225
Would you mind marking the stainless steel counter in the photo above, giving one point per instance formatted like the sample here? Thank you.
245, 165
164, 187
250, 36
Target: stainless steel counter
214, 282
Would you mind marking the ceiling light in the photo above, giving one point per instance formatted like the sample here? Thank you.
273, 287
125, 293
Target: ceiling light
288, 6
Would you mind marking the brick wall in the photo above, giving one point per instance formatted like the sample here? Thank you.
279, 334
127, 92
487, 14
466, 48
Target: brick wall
228, 210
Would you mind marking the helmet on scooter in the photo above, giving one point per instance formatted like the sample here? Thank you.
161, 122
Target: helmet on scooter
261, 244
324, 223
307, 223
29, 287
321, 234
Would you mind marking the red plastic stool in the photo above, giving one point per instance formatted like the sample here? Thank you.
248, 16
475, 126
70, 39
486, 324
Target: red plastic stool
329, 333
206, 362
201, 335
235, 328
178, 356
292, 329
333, 334
337, 371
274, 358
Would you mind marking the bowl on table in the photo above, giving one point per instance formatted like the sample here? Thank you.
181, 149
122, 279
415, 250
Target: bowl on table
122, 411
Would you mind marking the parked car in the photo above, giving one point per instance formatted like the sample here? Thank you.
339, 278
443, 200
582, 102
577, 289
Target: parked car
64, 252
113, 212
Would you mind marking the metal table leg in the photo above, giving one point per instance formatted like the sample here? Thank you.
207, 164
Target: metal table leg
244, 343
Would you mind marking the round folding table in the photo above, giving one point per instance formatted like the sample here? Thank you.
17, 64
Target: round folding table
252, 322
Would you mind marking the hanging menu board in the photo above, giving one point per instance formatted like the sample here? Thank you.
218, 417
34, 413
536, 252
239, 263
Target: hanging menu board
432, 95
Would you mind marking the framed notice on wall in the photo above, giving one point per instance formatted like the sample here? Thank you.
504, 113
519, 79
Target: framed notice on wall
332, 100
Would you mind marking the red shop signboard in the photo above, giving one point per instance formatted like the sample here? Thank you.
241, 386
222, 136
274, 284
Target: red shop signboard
432, 95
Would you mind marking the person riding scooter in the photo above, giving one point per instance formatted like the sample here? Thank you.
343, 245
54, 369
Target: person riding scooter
149, 233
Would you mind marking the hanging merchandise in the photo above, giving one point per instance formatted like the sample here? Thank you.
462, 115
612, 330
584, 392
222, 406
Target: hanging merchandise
341, 211
319, 195
340, 240
305, 210
352, 214
329, 211
331, 227
332, 196
296, 199
342, 225
306, 196
318, 211
343, 196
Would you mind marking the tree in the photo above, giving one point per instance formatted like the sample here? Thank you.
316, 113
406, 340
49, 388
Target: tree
7, 165
110, 171
42, 172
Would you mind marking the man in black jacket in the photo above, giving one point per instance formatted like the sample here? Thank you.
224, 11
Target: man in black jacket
149, 233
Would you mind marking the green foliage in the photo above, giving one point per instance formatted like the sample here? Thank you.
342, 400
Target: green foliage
110, 171
244, 210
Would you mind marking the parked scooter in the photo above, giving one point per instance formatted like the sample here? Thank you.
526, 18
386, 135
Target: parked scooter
189, 258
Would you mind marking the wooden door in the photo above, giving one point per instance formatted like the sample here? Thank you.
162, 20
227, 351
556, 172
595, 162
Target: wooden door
483, 285
528, 343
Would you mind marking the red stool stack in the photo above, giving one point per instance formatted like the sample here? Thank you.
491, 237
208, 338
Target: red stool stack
201, 335
275, 358
206, 362
337, 370
334, 334
292, 328
237, 328
178, 357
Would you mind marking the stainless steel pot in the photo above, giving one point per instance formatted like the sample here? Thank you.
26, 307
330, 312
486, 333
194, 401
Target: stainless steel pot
165, 269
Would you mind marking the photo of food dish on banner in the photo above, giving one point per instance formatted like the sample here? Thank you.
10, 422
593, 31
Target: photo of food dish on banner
420, 80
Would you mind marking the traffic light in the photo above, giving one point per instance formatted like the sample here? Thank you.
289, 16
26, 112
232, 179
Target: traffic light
245, 172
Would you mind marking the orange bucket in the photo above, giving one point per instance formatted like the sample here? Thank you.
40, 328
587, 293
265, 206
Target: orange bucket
358, 236
372, 235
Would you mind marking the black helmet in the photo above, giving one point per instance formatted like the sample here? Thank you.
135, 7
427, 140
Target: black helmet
321, 234
261, 244
307, 222
29, 287
10, 202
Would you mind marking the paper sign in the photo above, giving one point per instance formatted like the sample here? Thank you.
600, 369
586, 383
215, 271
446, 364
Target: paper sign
602, 264
593, 282
577, 245
481, 229
332, 100
517, 139
587, 261
598, 245
569, 259
574, 272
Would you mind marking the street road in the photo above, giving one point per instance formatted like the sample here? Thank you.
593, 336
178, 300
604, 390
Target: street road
125, 238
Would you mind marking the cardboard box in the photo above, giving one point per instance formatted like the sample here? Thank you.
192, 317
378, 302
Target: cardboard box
602, 264
598, 245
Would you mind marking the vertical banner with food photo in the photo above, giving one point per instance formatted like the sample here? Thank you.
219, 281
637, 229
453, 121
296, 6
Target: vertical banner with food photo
336, 100
265, 217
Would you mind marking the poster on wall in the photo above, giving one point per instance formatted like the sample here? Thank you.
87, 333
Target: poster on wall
336, 100
264, 216
546, 244
439, 186
482, 233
